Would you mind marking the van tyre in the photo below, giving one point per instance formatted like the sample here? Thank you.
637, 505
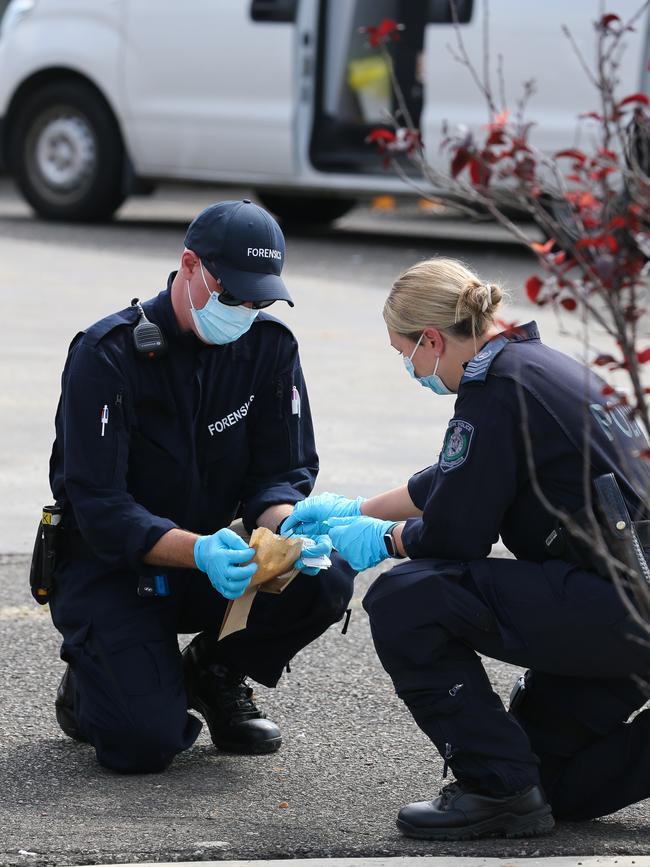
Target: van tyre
305, 211
66, 153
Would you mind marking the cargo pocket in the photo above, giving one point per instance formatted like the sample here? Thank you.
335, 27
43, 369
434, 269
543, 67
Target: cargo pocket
146, 668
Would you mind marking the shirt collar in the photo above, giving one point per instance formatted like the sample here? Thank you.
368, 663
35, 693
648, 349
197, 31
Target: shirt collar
161, 311
520, 333
515, 334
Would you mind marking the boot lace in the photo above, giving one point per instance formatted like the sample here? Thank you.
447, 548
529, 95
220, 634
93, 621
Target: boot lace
233, 697
448, 793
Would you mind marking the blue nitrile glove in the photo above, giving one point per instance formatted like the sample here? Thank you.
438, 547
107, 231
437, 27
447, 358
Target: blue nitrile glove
309, 516
322, 548
360, 541
220, 556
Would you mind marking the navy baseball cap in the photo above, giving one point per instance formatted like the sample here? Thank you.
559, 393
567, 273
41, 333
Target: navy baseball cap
243, 246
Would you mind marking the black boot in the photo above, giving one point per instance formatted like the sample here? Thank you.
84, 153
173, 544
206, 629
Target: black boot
64, 706
225, 701
462, 814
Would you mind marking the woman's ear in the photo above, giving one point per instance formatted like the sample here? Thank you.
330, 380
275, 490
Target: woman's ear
435, 339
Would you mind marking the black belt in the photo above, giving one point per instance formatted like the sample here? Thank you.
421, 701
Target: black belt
625, 540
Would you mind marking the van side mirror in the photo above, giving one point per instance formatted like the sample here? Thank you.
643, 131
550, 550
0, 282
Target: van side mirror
274, 10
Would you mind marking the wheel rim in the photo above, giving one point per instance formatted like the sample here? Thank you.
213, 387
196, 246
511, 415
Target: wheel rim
61, 155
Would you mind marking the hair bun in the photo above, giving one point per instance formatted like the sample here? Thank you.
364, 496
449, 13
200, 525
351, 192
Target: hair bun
481, 298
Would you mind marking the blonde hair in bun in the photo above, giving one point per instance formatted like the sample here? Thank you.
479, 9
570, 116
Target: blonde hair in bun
442, 293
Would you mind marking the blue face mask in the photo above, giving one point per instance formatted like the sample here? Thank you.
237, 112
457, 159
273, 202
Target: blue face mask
218, 323
432, 381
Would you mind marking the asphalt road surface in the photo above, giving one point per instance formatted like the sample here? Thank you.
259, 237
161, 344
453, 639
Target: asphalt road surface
351, 755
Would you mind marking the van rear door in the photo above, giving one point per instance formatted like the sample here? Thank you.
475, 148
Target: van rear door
209, 87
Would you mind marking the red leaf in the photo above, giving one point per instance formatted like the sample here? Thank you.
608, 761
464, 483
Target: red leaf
634, 97
617, 223
632, 313
533, 288
504, 325
560, 257
388, 29
599, 174
643, 356
460, 160
606, 20
499, 120
592, 114
479, 172
607, 390
581, 199
601, 360
381, 135
543, 249
569, 303
496, 137
573, 154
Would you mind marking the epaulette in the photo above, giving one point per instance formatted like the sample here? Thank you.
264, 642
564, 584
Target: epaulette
266, 317
477, 368
97, 332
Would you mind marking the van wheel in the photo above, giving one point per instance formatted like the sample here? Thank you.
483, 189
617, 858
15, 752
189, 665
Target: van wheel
66, 153
305, 210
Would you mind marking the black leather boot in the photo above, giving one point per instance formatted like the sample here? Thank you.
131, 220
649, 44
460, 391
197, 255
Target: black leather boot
225, 701
64, 707
462, 814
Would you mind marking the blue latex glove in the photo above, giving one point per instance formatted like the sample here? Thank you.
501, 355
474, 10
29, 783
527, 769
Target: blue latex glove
360, 541
220, 556
322, 548
309, 516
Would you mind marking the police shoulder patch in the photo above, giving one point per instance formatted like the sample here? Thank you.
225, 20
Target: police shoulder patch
455, 449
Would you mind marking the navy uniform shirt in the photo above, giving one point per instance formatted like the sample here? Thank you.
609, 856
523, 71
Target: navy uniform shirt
192, 439
481, 488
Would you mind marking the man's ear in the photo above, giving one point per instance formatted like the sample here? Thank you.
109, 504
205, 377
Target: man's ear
435, 338
189, 263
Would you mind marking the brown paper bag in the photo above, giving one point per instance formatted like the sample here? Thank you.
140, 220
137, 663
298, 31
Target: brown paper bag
275, 557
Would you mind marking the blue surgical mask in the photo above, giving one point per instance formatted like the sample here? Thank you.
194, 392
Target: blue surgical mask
432, 381
218, 323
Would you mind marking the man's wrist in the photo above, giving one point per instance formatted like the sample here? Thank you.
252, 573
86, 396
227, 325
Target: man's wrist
273, 516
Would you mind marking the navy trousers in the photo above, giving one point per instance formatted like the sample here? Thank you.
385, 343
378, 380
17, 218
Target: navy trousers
430, 619
131, 702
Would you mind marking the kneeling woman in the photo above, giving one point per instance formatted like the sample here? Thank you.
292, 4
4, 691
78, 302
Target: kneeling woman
564, 747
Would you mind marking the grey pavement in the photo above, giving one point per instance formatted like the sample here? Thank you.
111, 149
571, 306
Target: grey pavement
352, 755
443, 861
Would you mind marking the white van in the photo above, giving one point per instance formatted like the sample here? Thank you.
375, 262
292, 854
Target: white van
102, 98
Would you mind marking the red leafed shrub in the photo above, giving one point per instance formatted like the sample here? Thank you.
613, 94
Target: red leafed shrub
592, 203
